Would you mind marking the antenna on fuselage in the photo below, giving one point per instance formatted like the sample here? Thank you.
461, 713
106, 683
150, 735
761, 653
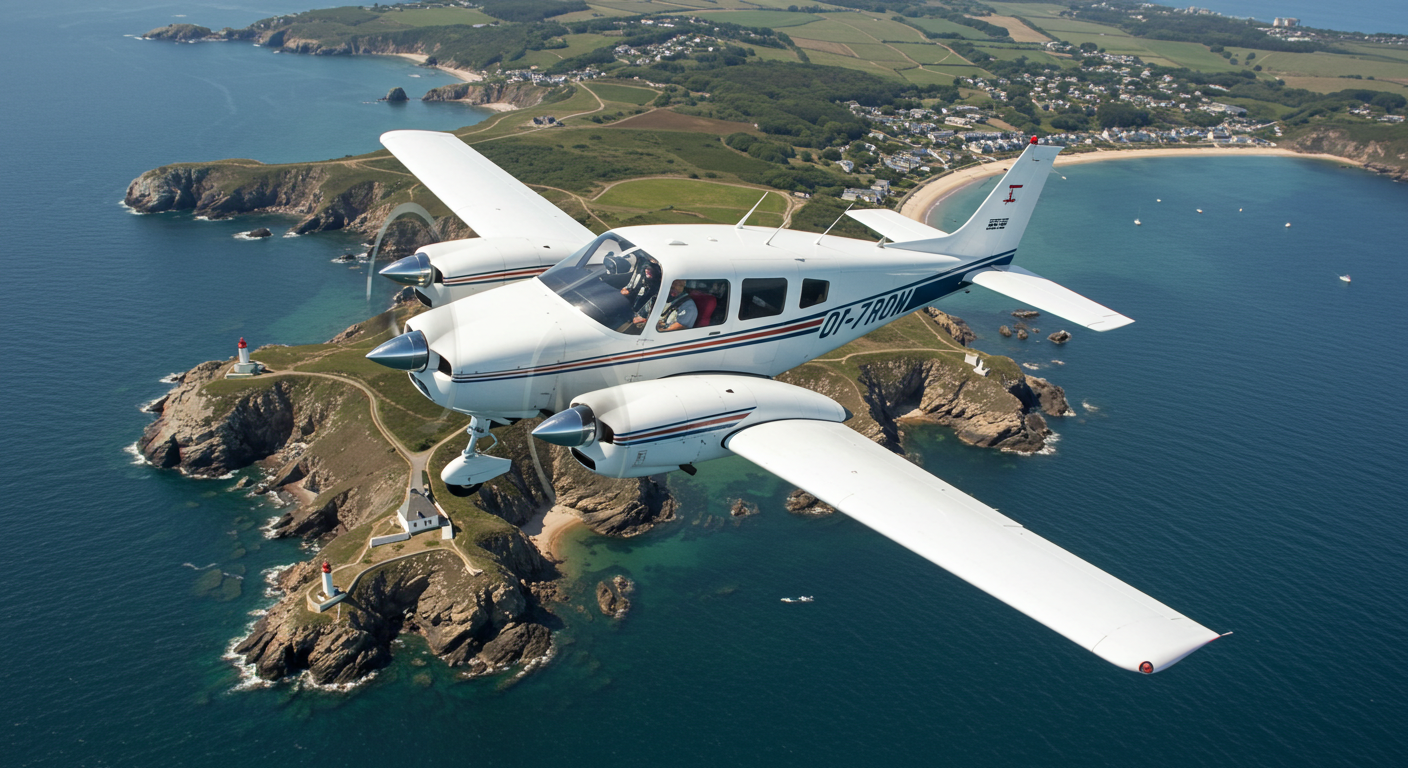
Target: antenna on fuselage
739, 225
833, 224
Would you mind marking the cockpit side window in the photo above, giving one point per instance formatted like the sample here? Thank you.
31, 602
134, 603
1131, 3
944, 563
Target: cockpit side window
694, 304
762, 297
609, 280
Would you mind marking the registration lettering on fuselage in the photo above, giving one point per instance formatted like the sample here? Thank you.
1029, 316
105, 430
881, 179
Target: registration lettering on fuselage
868, 313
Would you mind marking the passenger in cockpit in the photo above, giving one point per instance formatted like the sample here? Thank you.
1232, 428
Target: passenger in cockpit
680, 313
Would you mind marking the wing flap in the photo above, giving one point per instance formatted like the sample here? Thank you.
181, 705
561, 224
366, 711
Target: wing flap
894, 225
973, 541
491, 201
1031, 288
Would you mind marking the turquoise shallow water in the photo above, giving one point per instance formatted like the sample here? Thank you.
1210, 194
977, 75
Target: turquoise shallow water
1236, 454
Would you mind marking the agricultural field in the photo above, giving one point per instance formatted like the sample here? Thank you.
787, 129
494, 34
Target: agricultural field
1018, 31
1332, 65
1005, 53
930, 54
772, 19
945, 27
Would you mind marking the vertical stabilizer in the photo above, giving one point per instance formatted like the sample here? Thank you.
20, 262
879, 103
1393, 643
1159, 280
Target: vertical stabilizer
999, 222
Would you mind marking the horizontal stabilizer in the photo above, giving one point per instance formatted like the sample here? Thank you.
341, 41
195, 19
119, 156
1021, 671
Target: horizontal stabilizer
1037, 291
894, 225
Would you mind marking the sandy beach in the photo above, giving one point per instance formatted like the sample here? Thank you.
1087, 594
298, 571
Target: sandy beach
466, 75
546, 529
931, 193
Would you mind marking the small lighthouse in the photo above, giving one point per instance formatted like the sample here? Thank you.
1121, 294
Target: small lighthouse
330, 596
244, 367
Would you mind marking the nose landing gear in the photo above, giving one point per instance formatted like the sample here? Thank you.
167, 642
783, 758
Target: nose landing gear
471, 469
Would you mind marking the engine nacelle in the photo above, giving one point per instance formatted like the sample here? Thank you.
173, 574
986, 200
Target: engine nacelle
649, 427
443, 272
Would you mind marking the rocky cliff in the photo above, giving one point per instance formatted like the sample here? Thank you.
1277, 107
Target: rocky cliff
1378, 148
324, 196
886, 389
483, 622
182, 33
518, 94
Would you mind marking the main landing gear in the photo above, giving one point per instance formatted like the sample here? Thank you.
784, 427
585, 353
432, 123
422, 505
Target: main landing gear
471, 469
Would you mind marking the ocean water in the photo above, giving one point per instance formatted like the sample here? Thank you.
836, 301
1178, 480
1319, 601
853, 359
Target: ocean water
1236, 454
1370, 16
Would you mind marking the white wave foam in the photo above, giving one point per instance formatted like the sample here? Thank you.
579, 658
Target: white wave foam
232, 576
129, 208
195, 567
150, 405
249, 675
137, 458
1058, 362
1031, 366
1087, 406
290, 233
305, 680
172, 378
268, 528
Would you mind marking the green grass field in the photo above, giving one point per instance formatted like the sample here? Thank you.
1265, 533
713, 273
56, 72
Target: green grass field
436, 17
944, 26
688, 193
624, 93
1331, 65
928, 53
1012, 54
772, 19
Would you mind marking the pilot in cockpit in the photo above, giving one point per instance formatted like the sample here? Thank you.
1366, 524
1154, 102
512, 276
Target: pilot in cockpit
643, 287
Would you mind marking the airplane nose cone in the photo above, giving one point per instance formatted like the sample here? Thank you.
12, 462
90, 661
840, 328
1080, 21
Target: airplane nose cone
570, 428
407, 352
413, 270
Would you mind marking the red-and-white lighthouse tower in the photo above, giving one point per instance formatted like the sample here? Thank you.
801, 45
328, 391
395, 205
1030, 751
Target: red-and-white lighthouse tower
328, 589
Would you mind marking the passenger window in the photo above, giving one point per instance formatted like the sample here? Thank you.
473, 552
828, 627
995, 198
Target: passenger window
814, 292
762, 297
694, 304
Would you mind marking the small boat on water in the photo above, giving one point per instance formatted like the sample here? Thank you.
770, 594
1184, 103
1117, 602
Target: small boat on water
1342, 277
1138, 223
1199, 210
1288, 223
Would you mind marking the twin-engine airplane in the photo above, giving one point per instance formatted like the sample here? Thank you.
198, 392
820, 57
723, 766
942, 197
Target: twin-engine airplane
651, 348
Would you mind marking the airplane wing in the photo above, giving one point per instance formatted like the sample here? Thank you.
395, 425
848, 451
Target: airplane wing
1031, 288
485, 196
974, 542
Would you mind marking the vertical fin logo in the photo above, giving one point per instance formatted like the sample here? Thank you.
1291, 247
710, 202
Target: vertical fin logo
1011, 193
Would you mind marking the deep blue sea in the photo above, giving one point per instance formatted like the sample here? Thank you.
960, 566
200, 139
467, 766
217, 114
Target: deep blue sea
1237, 453
1372, 16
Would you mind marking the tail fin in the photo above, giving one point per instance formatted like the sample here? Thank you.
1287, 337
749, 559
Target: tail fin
999, 222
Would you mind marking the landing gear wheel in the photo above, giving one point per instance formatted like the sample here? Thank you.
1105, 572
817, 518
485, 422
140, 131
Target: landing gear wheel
463, 490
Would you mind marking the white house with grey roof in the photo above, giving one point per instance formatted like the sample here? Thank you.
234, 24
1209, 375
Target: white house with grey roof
418, 514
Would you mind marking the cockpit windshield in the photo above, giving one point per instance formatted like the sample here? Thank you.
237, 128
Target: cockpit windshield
609, 280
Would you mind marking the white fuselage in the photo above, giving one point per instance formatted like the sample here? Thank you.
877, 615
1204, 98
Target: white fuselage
521, 349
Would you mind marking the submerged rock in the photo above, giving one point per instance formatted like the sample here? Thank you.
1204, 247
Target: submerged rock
741, 508
1005, 332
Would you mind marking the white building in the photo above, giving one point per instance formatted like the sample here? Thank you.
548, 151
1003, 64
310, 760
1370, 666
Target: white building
418, 514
